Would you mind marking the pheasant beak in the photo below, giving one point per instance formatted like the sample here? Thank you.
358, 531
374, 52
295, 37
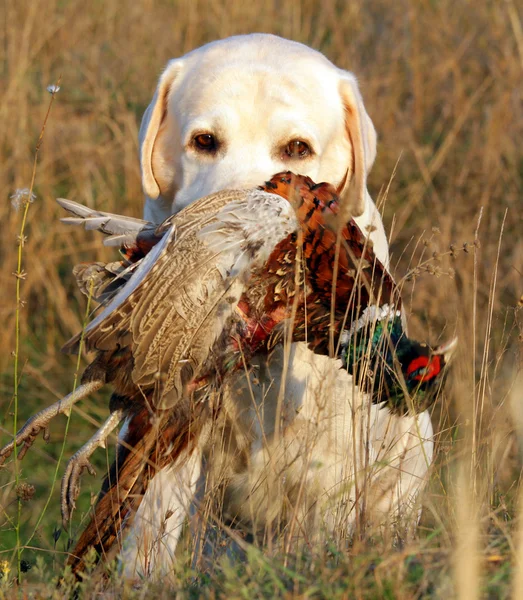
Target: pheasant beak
447, 350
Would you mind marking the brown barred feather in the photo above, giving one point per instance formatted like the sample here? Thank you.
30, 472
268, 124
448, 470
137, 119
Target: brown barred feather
152, 442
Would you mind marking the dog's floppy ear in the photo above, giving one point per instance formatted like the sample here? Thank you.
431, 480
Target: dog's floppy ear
362, 137
151, 125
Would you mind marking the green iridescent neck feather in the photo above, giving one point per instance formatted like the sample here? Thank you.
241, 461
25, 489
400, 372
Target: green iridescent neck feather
378, 353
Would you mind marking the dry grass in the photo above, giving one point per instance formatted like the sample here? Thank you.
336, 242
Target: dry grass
442, 82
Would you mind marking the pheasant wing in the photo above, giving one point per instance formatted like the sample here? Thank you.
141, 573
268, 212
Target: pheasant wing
181, 295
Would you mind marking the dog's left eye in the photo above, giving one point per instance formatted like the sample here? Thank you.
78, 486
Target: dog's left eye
206, 142
297, 149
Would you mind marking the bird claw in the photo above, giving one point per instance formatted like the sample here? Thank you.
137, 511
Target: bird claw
40, 421
80, 462
71, 481
23, 450
28, 434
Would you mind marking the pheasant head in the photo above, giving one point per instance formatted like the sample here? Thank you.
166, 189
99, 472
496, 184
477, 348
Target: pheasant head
400, 371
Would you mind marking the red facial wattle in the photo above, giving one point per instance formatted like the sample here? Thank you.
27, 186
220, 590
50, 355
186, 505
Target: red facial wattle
428, 367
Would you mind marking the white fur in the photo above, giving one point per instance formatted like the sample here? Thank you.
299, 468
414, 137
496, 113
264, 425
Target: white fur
256, 93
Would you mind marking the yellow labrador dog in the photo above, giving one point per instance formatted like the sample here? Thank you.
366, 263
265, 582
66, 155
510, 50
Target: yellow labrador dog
295, 444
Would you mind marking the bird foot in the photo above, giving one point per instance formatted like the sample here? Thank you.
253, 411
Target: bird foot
80, 462
40, 422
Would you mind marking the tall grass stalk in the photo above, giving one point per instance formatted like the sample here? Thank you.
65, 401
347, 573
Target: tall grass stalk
20, 276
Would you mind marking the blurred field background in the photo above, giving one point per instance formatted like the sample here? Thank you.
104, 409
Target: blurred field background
443, 83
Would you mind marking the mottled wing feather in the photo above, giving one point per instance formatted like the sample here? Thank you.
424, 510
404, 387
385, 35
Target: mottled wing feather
112, 326
119, 228
101, 281
189, 301
177, 302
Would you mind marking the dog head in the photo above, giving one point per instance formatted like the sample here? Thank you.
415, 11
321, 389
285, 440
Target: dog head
236, 111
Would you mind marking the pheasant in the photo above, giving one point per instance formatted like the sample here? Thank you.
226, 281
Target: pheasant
194, 299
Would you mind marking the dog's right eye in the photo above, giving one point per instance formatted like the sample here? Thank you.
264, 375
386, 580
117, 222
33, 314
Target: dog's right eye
297, 149
205, 142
